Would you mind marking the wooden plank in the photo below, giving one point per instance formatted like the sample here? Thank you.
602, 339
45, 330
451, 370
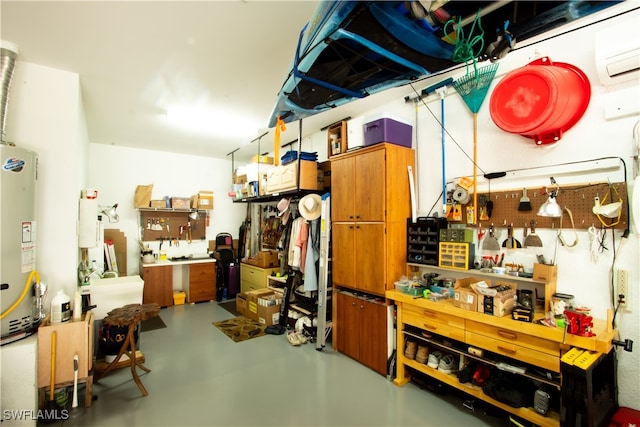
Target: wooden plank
101, 365
120, 245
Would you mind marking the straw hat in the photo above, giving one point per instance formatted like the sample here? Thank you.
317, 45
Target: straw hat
310, 206
283, 210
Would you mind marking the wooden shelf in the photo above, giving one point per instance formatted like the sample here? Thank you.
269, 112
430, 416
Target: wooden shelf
295, 194
486, 360
171, 210
478, 273
552, 419
548, 291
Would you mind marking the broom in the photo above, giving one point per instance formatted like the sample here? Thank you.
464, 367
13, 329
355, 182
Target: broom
473, 89
525, 202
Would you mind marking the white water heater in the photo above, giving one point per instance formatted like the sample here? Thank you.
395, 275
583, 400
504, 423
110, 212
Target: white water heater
20, 313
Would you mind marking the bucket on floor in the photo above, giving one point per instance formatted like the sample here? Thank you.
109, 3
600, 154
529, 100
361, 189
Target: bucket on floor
179, 297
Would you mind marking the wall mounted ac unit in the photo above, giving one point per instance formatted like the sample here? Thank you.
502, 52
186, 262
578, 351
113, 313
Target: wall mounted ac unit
617, 56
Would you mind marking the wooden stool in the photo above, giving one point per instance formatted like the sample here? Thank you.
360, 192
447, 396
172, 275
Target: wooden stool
129, 316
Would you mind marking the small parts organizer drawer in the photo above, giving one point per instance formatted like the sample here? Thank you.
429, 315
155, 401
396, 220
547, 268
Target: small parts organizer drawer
456, 255
423, 238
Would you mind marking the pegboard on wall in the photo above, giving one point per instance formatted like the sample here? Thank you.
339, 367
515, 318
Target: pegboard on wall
580, 199
169, 224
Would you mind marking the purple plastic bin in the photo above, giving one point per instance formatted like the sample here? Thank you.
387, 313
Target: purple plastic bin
387, 130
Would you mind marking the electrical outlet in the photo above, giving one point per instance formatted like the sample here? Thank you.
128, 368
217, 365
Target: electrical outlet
622, 287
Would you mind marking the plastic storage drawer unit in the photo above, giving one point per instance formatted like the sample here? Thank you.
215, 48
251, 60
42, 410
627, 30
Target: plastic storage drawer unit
458, 256
422, 239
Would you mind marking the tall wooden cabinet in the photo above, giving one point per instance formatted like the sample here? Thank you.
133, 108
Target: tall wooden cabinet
369, 209
370, 204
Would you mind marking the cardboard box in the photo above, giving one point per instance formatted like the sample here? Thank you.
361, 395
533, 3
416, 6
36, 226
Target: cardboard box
548, 273
264, 259
241, 303
463, 294
205, 199
265, 160
158, 203
180, 202
500, 304
202, 200
263, 306
324, 170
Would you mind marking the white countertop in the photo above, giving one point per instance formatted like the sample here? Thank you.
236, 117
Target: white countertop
181, 262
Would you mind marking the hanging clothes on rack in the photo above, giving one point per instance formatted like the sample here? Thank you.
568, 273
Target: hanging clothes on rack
302, 241
295, 250
312, 257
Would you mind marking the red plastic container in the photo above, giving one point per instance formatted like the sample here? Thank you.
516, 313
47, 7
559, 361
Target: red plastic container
541, 100
625, 417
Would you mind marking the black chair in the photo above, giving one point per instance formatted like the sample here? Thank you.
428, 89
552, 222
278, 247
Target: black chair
225, 267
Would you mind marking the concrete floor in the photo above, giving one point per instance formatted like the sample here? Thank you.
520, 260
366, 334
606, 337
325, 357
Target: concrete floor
200, 377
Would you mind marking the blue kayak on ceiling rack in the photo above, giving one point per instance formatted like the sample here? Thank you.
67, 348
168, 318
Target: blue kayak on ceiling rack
351, 49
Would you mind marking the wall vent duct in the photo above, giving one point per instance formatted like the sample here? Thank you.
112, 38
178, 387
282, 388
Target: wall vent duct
8, 57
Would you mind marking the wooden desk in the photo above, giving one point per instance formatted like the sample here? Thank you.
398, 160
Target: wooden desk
198, 280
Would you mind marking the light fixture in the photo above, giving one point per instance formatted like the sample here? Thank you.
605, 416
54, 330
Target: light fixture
110, 212
194, 215
551, 208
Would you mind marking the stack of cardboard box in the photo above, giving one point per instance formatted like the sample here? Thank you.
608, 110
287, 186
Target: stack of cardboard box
261, 305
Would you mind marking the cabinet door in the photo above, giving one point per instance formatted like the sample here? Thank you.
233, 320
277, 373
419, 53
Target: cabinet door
369, 268
342, 189
158, 285
369, 187
358, 187
343, 271
348, 325
373, 336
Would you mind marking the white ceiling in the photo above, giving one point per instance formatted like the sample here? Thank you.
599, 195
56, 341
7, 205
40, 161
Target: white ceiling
136, 58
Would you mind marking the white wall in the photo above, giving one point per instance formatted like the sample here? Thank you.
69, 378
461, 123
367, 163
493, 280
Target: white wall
592, 137
116, 171
45, 116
